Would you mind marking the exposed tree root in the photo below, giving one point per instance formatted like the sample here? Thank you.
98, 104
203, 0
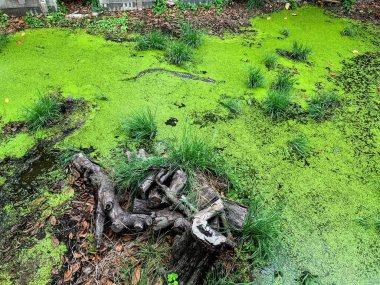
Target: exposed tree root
202, 226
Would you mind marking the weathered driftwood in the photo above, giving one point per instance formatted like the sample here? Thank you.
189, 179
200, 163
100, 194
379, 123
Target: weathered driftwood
202, 227
107, 203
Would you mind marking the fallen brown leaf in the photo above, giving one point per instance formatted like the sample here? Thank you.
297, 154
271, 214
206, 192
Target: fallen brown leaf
136, 275
53, 220
54, 241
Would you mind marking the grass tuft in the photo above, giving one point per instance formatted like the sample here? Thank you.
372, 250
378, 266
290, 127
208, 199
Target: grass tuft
256, 77
153, 40
233, 105
276, 104
192, 152
261, 231
285, 32
141, 125
321, 105
283, 82
253, 4
130, 173
299, 147
44, 111
271, 61
190, 35
349, 31
300, 52
177, 53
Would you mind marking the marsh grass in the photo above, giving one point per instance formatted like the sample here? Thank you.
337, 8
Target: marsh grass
129, 173
178, 52
233, 105
299, 147
285, 32
270, 61
192, 152
190, 35
283, 82
153, 40
3, 41
256, 77
253, 4
300, 52
261, 231
322, 105
276, 104
350, 31
45, 111
141, 125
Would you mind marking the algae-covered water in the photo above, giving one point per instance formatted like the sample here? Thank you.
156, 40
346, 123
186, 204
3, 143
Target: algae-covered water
322, 199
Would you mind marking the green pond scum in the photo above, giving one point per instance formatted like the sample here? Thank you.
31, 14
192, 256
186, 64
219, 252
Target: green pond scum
322, 196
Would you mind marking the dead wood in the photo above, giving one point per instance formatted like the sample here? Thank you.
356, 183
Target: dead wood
202, 227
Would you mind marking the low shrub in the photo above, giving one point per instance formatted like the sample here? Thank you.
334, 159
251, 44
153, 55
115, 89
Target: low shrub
321, 105
256, 77
3, 41
159, 7
253, 4
270, 61
43, 112
141, 125
347, 4
178, 52
276, 104
190, 35
153, 40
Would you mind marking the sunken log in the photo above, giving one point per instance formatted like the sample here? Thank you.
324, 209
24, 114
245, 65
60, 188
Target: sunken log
107, 203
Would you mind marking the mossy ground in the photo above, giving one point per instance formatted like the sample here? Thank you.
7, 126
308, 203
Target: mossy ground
320, 199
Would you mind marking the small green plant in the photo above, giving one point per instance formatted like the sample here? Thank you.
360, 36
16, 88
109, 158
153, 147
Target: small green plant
159, 7
271, 61
3, 41
190, 35
43, 112
350, 31
285, 32
276, 104
253, 4
178, 52
261, 231
4, 20
153, 40
256, 77
283, 82
141, 125
173, 279
233, 105
300, 51
113, 24
321, 105
299, 147
347, 5
34, 21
